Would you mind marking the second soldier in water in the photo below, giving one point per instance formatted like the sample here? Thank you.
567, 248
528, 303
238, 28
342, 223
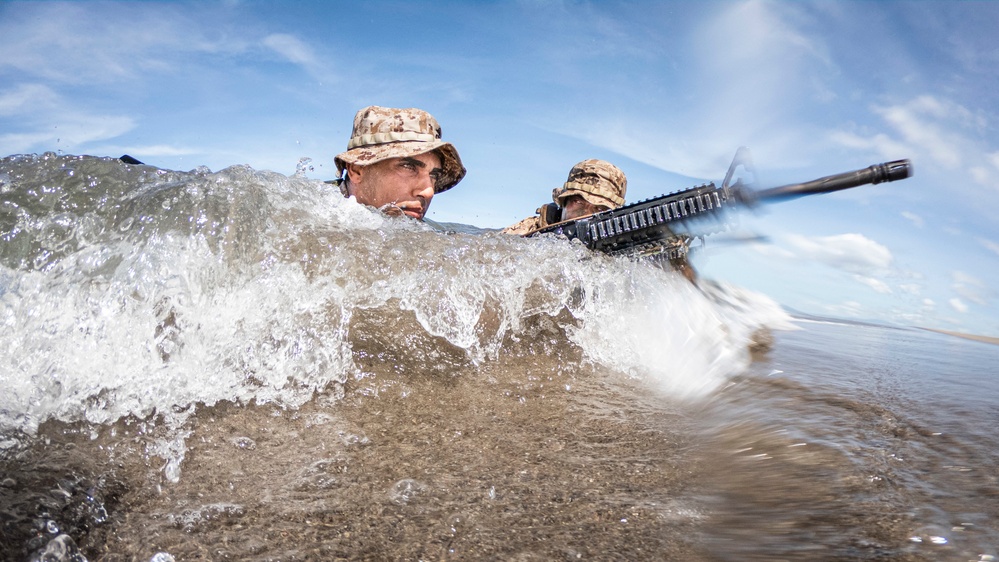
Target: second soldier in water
592, 186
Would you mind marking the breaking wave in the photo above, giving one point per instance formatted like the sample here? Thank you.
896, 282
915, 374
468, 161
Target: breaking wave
130, 292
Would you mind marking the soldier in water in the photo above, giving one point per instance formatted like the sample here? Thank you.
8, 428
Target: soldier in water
592, 186
396, 161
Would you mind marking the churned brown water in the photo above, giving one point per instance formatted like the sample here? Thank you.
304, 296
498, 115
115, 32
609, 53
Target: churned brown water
236, 366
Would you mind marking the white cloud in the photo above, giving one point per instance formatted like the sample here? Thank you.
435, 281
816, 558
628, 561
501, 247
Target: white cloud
876, 284
122, 43
910, 288
916, 123
149, 150
23, 143
947, 134
298, 52
957, 305
773, 250
844, 309
291, 48
772, 71
971, 288
52, 122
77, 43
914, 218
880, 143
993, 159
989, 245
25, 98
854, 253
72, 131
929, 304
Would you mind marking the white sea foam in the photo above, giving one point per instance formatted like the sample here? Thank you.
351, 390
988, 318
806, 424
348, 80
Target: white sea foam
180, 290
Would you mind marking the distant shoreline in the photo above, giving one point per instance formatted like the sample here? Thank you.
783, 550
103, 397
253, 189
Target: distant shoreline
985, 339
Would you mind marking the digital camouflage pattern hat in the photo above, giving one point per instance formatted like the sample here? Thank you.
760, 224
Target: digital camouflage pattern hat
597, 181
386, 132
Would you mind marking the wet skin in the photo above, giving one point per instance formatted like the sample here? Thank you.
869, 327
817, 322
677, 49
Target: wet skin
397, 185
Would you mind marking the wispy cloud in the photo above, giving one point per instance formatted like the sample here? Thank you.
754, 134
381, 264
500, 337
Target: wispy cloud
88, 43
25, 99
940, 132
156, 150
989, 245
771, 71
958, 305
854, 253
77, 43
295, 51
878, 285
53, 121
290, 48
914, 218
922, 123
851, 309
971, 288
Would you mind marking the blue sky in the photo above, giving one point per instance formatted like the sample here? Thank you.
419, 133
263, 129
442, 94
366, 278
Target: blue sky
666, 90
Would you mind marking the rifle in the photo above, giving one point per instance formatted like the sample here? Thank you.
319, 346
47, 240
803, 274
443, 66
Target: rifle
664, 226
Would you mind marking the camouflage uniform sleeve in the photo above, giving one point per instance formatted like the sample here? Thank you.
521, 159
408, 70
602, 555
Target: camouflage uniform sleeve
526, 226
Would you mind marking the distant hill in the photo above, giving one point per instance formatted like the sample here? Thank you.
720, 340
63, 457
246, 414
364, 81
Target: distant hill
835, 320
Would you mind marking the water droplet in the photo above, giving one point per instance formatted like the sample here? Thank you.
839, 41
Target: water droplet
405, 490
304, 165
244, 443
350, 439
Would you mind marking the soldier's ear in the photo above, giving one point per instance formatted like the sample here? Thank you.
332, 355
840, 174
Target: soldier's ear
354, 172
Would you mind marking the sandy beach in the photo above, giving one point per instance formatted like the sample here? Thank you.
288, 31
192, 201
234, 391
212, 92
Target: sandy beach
985, 339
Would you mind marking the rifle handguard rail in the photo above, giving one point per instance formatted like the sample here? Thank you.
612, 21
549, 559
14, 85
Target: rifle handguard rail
651, 226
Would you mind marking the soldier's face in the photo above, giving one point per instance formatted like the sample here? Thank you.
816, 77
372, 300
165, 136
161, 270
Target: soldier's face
574, 207
397, 185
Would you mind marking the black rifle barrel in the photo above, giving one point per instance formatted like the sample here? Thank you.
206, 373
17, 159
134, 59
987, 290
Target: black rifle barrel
878, 173
658, 225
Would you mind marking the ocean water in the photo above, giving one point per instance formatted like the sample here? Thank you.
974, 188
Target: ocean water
241, 365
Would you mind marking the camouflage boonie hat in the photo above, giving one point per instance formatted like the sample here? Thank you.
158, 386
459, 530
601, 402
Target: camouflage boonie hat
597, 181
381, 133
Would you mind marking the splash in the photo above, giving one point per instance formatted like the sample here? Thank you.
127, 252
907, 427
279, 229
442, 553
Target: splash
129, 292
